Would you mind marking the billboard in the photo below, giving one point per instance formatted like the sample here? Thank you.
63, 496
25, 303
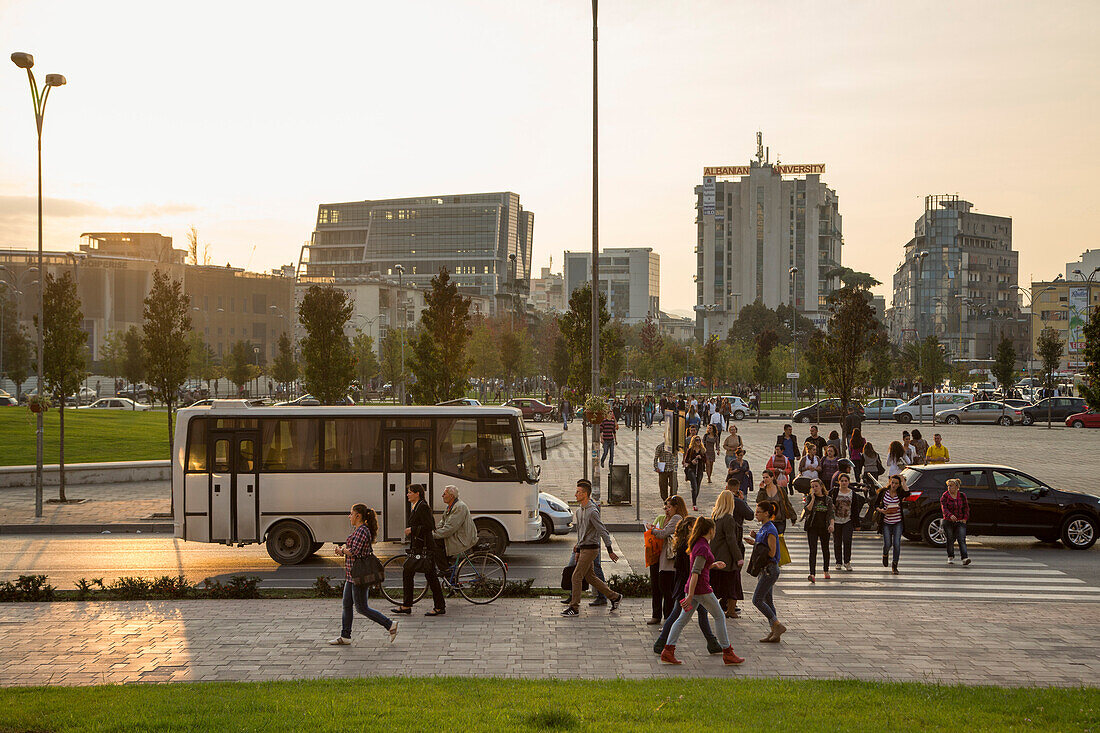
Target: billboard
708, 195
1078, 312
793, 169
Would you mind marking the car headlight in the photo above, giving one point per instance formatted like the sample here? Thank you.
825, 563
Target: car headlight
558, 507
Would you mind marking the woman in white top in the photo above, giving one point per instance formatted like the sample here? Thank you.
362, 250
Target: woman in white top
895, 461
809, 466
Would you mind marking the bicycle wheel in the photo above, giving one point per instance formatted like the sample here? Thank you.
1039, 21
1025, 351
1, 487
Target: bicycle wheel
481, 577
392, 587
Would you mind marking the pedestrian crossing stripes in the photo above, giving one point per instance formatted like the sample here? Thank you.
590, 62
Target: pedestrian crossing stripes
924, 574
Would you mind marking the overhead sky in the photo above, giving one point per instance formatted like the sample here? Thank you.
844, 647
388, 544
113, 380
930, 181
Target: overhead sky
240, 118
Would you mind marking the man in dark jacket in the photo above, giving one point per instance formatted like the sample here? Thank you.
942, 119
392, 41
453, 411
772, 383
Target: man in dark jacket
789, 442
419, 532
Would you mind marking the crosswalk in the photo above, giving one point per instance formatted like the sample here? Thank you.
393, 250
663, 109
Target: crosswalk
925, 575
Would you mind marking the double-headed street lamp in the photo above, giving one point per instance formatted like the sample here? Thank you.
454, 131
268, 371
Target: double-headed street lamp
793, 273
400, 269
26, 61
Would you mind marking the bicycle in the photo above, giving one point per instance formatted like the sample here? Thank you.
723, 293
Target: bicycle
478, 576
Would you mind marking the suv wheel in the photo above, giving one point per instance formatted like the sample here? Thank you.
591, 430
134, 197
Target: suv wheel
1079, 532
1006, 421
932, 531
952, 420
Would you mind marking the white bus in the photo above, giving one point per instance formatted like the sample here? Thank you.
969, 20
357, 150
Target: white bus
287, 476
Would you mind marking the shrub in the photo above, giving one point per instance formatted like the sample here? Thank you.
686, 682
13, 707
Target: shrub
167, 586
130, 589
323, 589
27, 588
633, 585
239, 586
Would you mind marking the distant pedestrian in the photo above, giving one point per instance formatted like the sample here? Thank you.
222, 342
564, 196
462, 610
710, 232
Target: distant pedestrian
739, 469
895, 459
908, 448
664, 465
956, 512
608, 435
770, 491
730, 444
769, 574
817, 440
920, 448
836, 442
364, 523
872, 461
937, 452
781, 467
888, 505
718, 421
809, 465
699, 593
710, 445
788, 442
694, 461
590, 531
829, 465
819, 526
563, 408
664, 597
856, 444
456, 527
419, 532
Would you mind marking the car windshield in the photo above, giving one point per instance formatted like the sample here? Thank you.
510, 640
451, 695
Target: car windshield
911, 476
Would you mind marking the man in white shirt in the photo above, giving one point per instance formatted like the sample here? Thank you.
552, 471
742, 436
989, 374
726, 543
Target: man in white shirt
718, 422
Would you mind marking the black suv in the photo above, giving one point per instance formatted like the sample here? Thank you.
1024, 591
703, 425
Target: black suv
1003, 501
1060, 409
827, 410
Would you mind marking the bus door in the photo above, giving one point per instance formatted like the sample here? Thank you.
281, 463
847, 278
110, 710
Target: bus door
234, 486
408, 459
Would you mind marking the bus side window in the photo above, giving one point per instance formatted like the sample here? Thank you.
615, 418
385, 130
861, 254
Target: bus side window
246, 459
419, 459
196, 451
221, 456
396, 460
291, 444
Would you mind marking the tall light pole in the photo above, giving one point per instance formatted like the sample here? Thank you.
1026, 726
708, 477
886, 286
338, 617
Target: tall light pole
793, 272
512, 310
26, 61
918, 261
401, 299
595, 248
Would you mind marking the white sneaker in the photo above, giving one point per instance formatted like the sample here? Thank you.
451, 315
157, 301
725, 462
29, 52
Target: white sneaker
340, 641
393, 631
848, 566
950, 561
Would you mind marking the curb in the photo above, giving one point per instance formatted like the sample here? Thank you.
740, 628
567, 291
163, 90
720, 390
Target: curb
10, 529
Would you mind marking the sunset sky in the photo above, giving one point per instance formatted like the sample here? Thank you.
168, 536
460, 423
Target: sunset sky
240, 118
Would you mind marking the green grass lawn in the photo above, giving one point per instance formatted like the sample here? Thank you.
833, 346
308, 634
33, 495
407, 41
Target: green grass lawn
90, 436
460, 704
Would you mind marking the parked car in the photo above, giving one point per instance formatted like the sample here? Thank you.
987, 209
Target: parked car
882, 408
8, 401
1060, 408
1003, 501
1018, 404
739, 409
994, 413
532, 409
827, 410
1088, 419
920, 407
306, 400
115, 403
556, 517
461, 402
83, 396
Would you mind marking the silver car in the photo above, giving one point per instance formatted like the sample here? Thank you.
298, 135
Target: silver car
982, 412
555, 514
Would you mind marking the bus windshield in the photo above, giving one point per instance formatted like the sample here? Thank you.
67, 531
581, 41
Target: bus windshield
533, 469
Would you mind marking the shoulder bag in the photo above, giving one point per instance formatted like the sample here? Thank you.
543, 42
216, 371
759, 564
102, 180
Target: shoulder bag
419, 563
367, 570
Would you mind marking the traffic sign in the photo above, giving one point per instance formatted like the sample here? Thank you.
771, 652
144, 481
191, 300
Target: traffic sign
793, 375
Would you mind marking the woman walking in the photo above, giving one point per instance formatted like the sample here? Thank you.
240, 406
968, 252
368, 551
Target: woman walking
955, 511
855, 453
739, 469
364, 526
699, 593
695, 458
419, 531
895, 459
726, 582
846, 508
819, 525
769, 574
710, 443
872, 463
679, 588
664, 592
781, 467
829, 465
809, 466
770, 491
888, 504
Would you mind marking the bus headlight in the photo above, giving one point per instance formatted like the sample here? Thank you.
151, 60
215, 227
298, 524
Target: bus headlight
532, 513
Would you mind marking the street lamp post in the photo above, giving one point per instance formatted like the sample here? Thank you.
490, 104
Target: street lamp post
512, 310
26, 61
595, 309
793, 272
401, 298
919, 262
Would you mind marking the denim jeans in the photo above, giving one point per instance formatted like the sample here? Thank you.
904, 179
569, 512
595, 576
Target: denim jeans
955, 531
729, 461
356, 595
842, 541
695, 478
708, 601
762, 596
608, 452
891, 537
677, 610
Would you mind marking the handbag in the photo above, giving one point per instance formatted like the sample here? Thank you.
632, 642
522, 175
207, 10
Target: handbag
419, 563
367, 570
567, 579
784, 555
653, 548
758, 559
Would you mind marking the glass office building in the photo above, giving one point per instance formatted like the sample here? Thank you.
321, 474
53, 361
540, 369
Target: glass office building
483, 239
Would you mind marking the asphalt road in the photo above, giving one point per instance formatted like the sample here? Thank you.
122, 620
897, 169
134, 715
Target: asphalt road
67, 558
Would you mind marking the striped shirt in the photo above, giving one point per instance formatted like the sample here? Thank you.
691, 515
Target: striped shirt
607, 429
891, 505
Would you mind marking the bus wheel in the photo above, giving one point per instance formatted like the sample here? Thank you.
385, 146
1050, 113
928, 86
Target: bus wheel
491, 536
289, 543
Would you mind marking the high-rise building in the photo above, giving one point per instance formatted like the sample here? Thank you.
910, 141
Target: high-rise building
483, 239
630, 280
548, 292
958, 282
755, 223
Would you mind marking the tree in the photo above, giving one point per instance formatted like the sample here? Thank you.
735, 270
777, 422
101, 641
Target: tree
516, 354
15, 348
197, 254
576, 328
882, 363
650, 348
483, 352
1049, 347
441, 367
612, 353
1004, 365
238, 364
391, 356
64, 348
559, 363
113, 353
709, 365
133, 357
842, 351
1090, 387
366, 363
167, 321
765, 341
284, 369
326, 351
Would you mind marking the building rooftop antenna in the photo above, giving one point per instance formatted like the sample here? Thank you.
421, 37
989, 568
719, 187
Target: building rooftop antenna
760, 147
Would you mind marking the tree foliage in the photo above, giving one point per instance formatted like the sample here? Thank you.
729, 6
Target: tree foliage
284, 369
842, 351
15, 346
1090, 386
755, 318
166, 323
1049, 347
483, 351
612, 353
328, 366
133, 356
439, 353
238, 364
576, 328
1004, 365
766, 341
366, 362
64, 350
391, 356
710, 360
